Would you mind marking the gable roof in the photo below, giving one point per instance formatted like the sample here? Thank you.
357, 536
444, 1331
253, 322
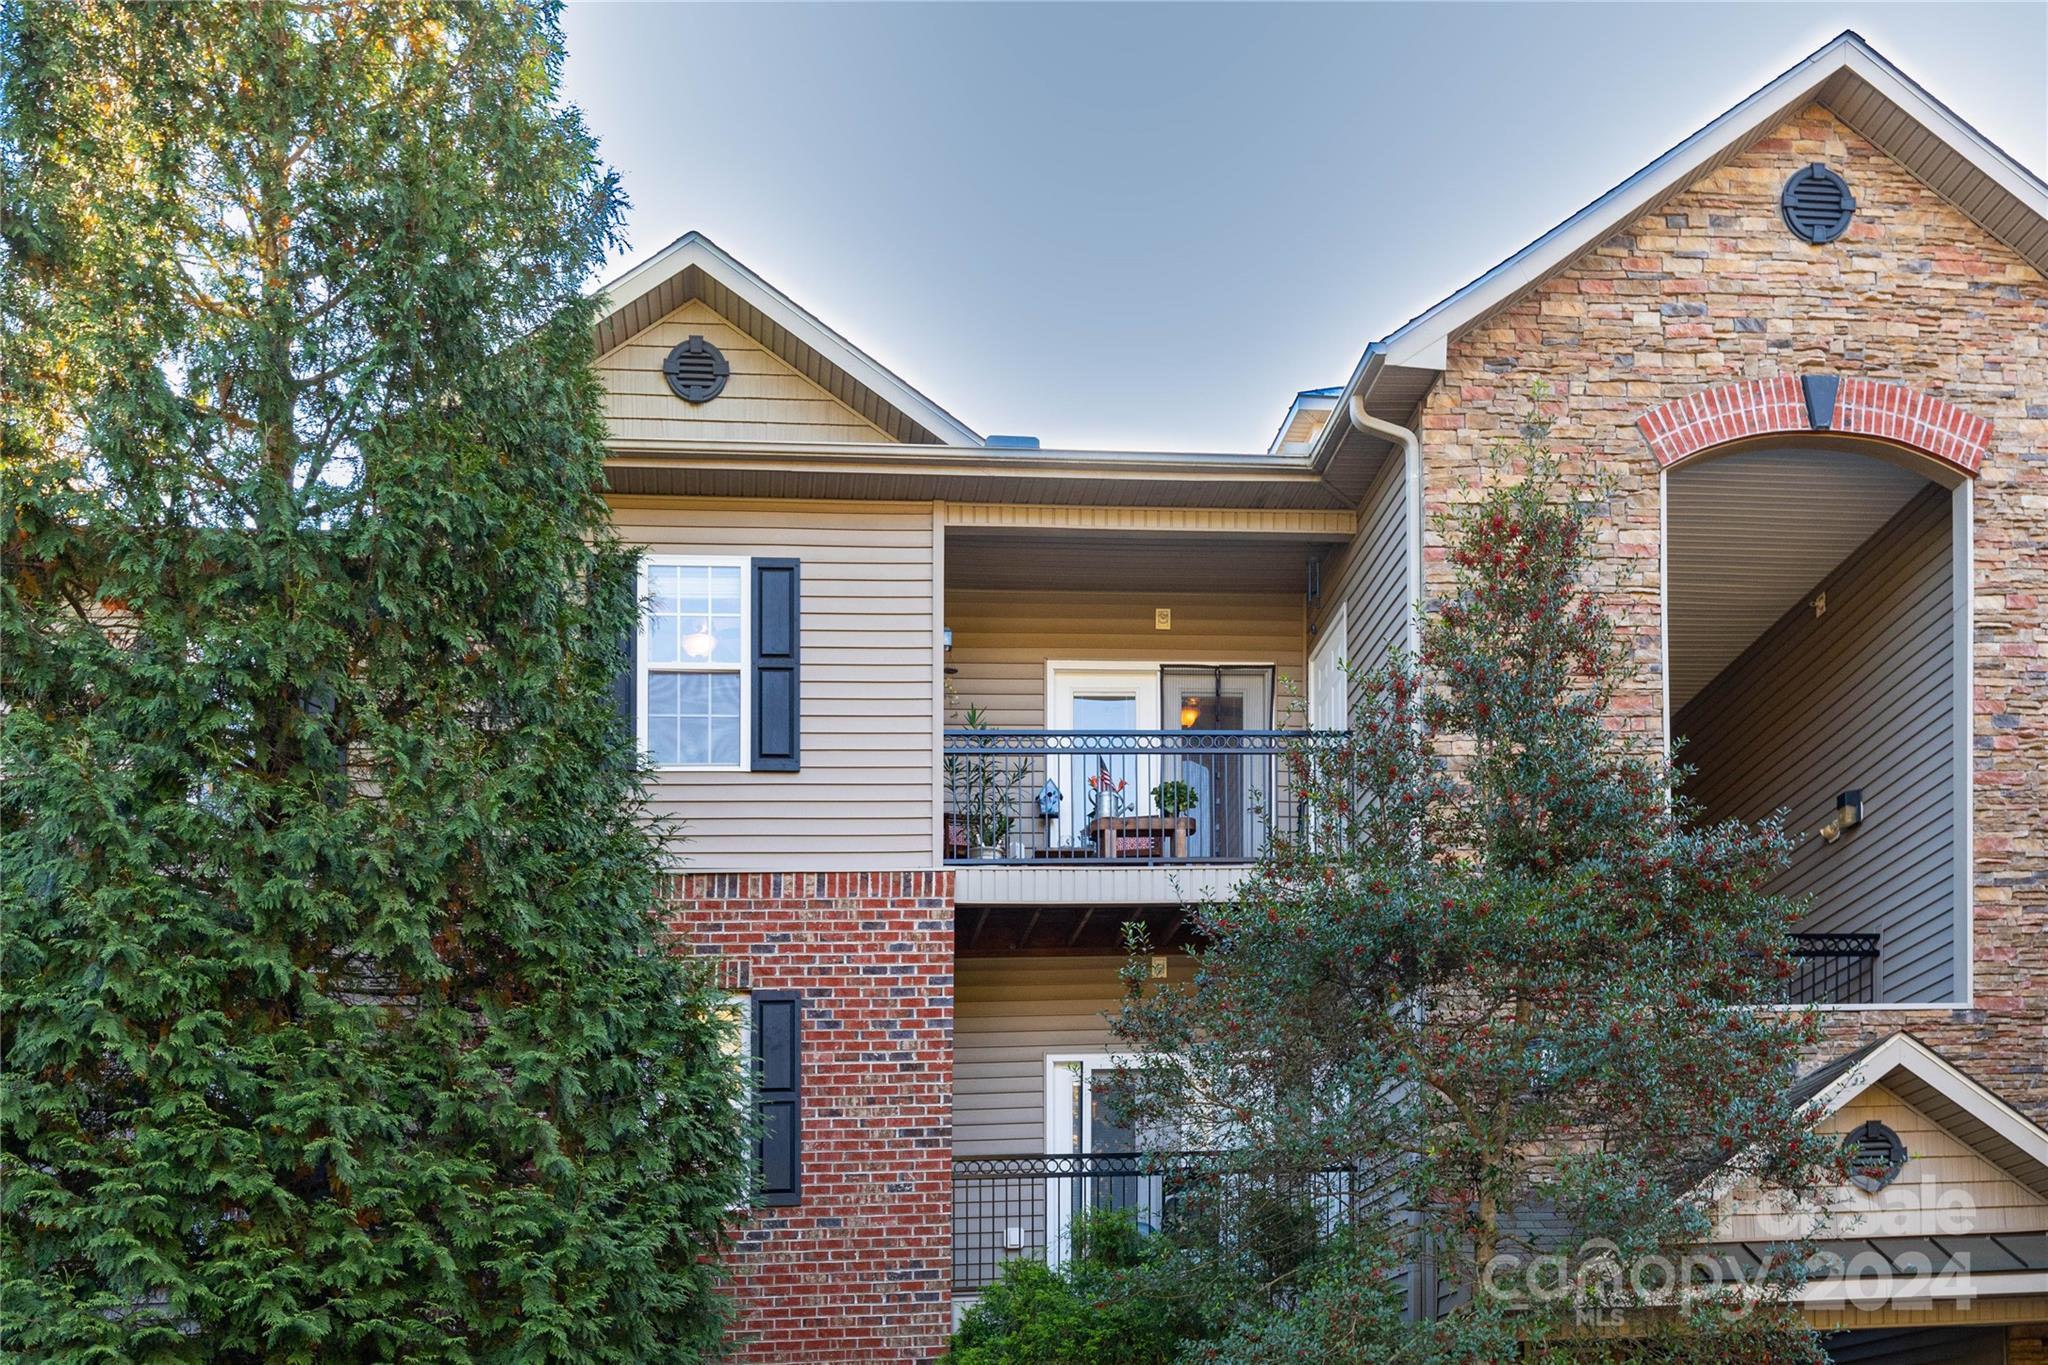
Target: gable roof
1922, 1078
1306, 416
1847, 77
694, 267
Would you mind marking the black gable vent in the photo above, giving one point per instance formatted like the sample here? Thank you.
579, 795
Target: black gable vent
696, 370
1817, 204
1876, 1155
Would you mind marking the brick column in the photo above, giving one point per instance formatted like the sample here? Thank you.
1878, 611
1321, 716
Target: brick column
861, 1268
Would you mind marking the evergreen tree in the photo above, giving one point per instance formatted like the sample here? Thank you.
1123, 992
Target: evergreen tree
335, 1022
1509, 979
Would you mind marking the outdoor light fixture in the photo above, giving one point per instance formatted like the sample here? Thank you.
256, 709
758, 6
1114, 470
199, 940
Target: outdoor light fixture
1848, 814
700, 643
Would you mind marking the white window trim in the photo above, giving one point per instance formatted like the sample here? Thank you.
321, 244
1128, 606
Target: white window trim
643, 665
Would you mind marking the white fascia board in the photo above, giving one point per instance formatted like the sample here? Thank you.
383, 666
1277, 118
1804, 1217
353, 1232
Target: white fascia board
1980, 151
694, 248
1903, 1052
1627, 201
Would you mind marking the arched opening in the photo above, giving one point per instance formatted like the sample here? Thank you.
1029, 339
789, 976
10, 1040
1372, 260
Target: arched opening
1817, 662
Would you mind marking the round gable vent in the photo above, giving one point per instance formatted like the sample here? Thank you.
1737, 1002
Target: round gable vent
1817, 204
1876, 1156
696, 370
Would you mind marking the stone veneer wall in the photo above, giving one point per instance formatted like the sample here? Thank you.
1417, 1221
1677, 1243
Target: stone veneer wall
861, 1268
1710, 289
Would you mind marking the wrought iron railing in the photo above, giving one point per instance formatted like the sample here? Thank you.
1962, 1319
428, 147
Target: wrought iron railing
1155, 796
1834, 969
1030, 1206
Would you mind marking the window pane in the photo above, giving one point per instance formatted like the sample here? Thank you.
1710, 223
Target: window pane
664, 640
725, 695
726, 631
696, 740
725, 590
725, 740
664, 586
695, 587
665, 741
693, 694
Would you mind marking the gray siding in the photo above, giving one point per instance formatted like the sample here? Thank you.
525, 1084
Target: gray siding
1370, 575
1862, 696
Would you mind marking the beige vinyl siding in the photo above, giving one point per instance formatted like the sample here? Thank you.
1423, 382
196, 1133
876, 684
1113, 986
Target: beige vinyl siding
765, 400
1861, 696
1370, 576
1945, 1189
863, 799
1009, 1015
1002, 640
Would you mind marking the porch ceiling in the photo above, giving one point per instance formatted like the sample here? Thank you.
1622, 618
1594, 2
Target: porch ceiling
1051, 930
1750, 534
1144, 562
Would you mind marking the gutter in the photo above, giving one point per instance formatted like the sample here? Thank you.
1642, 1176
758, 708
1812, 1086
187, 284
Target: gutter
978, 461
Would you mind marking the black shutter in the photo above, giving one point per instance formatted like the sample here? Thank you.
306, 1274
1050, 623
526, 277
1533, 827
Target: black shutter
777, 1073
778, 608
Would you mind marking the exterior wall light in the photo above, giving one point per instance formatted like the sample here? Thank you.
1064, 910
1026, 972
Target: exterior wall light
1848, 814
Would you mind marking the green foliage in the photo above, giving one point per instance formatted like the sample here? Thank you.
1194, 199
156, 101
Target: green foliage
1173, 797
335, 1024
1123, 1298
1500, 969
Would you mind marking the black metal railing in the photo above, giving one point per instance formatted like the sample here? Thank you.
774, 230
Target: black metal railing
1834, 969
1156, 796
1030, 1206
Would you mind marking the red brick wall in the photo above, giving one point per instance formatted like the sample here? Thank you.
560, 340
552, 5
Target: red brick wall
1711, 289
861, 1269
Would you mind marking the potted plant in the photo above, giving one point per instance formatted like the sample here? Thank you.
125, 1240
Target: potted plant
1174, 797
983, 788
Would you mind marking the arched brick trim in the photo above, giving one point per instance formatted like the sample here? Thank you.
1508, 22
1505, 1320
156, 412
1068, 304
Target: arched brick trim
1863, 407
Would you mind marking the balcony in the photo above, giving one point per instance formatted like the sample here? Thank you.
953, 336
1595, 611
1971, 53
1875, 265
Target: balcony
1126, 797
1834, 969
1027, 1207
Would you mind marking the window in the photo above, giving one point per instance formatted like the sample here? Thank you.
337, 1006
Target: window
694, 649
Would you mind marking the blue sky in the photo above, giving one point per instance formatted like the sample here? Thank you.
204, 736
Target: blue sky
1145, 226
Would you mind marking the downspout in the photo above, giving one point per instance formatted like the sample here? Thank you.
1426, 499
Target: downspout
1422, 1300
1411, 457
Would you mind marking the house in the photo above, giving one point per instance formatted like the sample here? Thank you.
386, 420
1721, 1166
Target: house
942, 712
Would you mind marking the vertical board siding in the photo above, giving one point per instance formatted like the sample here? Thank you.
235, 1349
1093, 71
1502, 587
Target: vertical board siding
1002, 640
1861, 696
1370, 576
864, 796
764, 400
1010, 1014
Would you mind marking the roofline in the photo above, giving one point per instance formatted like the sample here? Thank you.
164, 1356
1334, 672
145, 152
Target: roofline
852, 456
1902, 1051
1423, 341
1302, 400
1669, 172
694, 248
